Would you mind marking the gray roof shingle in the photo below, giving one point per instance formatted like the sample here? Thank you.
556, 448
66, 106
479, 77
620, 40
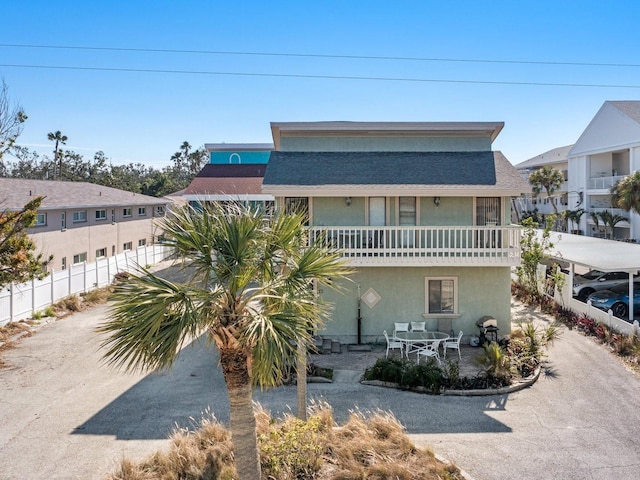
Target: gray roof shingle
15, 193
381, 168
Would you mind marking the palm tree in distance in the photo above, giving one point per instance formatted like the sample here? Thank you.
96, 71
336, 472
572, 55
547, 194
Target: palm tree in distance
547, 178
626, 193
57, 157
608, 219
248, 285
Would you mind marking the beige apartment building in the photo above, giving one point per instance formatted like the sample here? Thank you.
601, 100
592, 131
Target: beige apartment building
81, 221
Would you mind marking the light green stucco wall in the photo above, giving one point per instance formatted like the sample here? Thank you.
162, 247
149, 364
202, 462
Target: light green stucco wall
335, 212
481, 291
453, 211
384, 144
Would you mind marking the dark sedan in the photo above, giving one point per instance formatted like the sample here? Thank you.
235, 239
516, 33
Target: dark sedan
617, 299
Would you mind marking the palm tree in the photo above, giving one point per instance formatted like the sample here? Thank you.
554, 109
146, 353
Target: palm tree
573, 217
547, 178
609, 220
626, 193
59, 139
249, 280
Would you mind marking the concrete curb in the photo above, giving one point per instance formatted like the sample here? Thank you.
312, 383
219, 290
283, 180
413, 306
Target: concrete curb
524, 383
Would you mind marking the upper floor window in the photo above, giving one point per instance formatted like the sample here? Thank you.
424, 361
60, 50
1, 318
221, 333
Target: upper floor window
126, 212
407, 210
79, 216
297, 205
101, 214
41, 220
142, 211
488, 211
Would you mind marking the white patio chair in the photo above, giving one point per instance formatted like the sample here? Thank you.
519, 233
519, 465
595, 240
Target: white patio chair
393, 344
401, 327
453, 343
418, 326
431, 350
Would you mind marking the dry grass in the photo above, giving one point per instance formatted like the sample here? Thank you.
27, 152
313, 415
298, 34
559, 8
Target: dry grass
370, 446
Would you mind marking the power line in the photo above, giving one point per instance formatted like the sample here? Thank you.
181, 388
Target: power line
320, 55
323, 77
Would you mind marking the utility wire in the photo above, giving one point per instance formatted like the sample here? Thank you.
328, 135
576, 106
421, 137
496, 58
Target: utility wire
319, 55
324, 77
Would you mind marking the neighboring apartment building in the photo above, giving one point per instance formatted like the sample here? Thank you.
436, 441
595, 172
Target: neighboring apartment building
607, 151
81, 221
234, 173
541, 204
421, 210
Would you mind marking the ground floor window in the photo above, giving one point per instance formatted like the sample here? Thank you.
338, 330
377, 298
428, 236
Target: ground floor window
441, 295
101, 252
80, 257
142, 242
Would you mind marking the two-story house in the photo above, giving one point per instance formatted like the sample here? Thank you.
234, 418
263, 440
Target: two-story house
421, 210
81, 221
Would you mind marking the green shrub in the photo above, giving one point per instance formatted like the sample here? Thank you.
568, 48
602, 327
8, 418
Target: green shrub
293, 449
387, 370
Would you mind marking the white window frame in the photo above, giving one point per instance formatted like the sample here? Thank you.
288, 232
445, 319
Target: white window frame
101, 252
126, 212
142, 242
142, 211
127, 246
101, 215
79, 216
456, 311
41, 220
80, 257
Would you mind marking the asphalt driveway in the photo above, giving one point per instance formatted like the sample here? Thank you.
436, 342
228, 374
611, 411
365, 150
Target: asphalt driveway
64, 414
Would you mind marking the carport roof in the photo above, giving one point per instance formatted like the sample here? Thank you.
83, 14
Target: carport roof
596, 253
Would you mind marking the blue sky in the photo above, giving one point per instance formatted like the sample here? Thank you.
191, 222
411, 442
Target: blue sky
144, 117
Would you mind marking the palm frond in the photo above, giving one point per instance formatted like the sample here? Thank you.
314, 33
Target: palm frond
150, 320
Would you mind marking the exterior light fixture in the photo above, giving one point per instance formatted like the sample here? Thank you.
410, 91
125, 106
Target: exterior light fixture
436, 201
347, 200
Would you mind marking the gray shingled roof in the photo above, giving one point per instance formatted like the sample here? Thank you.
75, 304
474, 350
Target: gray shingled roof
381, 168
15, 193
630, 108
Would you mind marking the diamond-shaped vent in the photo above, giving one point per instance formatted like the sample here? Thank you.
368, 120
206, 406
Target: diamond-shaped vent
371, 298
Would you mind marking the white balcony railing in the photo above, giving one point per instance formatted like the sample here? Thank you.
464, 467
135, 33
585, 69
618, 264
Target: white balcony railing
603, 183
424, 246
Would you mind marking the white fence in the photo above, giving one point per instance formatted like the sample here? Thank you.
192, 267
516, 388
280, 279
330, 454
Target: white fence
18, 302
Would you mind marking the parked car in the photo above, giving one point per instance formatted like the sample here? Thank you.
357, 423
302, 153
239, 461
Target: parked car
616, 299
594, 280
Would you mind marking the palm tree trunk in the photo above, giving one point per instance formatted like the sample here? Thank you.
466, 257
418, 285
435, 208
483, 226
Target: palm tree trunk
242, 420
301, 382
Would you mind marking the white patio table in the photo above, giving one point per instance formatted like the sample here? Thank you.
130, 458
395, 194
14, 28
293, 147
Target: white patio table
414, 340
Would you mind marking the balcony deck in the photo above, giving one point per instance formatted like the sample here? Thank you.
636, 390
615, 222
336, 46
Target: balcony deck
424, 246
